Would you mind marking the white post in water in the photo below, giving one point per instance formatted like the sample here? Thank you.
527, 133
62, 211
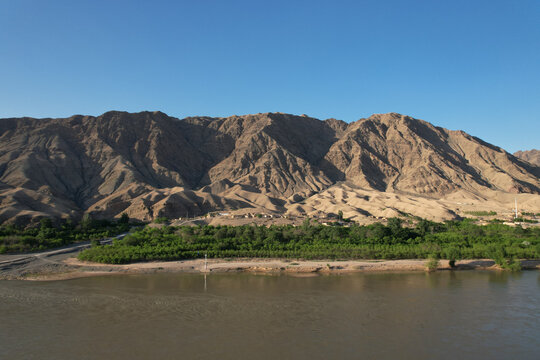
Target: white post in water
205, 262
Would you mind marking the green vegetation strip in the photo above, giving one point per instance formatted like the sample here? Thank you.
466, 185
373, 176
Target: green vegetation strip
524, 213
481, 213
47, 236
450, 240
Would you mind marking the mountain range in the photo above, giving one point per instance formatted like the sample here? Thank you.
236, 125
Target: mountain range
149, 165
532, 156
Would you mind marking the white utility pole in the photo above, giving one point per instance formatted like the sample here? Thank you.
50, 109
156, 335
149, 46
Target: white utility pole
515, 209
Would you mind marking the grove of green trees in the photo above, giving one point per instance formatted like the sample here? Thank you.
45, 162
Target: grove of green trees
449, 240
49, 235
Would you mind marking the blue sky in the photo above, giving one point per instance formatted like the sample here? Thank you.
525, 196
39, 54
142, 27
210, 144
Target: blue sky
470, 65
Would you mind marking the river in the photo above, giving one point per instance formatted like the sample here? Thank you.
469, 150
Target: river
446, 315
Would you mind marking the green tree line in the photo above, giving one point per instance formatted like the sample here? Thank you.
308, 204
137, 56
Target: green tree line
449, 240
49, 235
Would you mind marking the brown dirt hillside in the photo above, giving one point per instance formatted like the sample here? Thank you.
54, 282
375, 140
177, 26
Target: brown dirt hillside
532, 156
149, 164
395, 152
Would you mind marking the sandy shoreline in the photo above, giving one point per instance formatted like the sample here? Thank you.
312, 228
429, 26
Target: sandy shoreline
73, 268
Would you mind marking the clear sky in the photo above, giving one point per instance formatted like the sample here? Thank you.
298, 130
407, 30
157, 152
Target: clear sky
472, 65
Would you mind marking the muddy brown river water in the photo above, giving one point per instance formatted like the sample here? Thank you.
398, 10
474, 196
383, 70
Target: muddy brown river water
444, 315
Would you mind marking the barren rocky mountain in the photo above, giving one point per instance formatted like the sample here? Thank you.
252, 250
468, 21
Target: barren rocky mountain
532, 156
149, 164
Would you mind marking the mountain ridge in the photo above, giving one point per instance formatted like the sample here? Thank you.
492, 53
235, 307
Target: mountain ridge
149, 164
532, 156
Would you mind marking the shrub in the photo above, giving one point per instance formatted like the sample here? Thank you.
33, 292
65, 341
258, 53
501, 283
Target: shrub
124, 219
452, 254
432, 264
513, 264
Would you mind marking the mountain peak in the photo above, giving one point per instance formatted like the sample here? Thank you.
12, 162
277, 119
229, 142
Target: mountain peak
532, 156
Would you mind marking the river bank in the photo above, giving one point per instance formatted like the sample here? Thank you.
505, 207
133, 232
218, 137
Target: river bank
63, 267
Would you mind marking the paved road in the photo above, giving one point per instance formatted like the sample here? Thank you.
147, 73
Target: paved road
14, 259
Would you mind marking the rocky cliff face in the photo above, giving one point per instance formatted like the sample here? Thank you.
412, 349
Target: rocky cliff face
149, 164
532, 156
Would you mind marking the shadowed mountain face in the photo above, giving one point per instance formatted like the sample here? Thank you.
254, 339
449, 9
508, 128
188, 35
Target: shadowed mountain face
149, 164
532, 156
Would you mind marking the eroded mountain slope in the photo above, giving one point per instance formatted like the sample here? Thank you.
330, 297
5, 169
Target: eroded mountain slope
149, 164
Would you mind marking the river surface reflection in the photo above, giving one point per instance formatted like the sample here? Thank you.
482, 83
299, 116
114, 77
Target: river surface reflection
463, 315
